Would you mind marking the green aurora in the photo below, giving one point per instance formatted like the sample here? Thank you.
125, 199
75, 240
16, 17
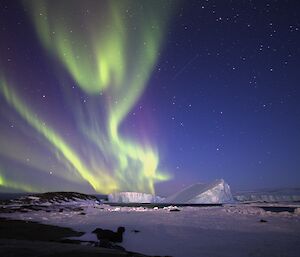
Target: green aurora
110, 56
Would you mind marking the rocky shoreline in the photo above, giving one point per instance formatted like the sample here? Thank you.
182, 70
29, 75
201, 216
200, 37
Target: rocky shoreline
28, 238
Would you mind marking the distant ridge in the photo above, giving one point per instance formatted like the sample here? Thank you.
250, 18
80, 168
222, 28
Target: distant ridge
269, 195
54, 197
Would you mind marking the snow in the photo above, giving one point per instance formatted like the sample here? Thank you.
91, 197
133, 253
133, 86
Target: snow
33, 198
216, 192
133, 197
223, 231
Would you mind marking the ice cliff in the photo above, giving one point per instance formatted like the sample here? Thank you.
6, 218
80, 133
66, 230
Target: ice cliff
133, 197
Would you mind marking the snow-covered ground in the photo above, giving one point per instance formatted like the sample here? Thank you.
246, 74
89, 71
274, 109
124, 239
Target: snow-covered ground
232, 230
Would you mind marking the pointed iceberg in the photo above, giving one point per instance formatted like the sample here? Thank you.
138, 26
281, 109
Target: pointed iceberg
216, 192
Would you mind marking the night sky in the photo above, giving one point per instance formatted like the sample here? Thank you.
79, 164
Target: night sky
151, 96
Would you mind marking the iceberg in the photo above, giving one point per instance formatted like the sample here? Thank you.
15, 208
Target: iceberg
200, 193
133, 197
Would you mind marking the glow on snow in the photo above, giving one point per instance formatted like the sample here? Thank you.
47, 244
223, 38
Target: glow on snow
106, 54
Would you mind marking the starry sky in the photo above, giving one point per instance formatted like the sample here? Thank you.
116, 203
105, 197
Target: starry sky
150, 96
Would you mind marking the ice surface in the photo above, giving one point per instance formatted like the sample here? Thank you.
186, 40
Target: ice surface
133, 197
192, 231
216, 192
219, 231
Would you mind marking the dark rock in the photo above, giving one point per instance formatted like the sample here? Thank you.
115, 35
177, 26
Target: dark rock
105, 234
75, 241
174, 210
135, 231
82, 213
107, 244
28, 230
263, 221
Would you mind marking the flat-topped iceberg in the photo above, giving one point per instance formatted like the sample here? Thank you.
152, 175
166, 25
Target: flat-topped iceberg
133, 197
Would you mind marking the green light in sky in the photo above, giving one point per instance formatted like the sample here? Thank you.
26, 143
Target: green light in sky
107, 47
105, 184
15, 185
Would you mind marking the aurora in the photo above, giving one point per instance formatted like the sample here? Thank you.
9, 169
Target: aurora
109, 56
104, 96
